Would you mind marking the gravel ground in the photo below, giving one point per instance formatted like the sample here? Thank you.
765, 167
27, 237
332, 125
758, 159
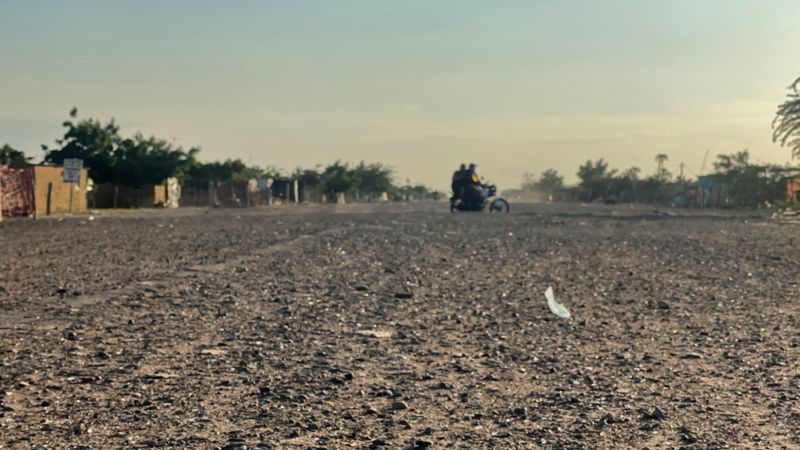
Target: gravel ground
399, 327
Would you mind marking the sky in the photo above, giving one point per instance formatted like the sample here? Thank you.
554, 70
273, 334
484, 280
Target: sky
421, 85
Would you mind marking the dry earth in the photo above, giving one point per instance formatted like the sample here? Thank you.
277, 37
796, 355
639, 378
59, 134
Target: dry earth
399, 327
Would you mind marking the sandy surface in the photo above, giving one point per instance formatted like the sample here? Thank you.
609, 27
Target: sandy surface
400, 327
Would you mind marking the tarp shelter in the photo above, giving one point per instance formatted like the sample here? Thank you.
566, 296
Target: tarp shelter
16, 189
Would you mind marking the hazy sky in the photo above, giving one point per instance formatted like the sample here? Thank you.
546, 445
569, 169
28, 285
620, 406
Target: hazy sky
422, 85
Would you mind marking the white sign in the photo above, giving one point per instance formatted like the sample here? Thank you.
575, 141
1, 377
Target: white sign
72, 170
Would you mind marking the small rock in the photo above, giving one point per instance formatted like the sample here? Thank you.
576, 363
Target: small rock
399, 406
663, 305
608, 419
519, 412
687, 437
79, 429
404, 295
656, 414
420, 444
692, 356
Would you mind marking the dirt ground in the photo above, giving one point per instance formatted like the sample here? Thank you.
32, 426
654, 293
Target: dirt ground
400, 327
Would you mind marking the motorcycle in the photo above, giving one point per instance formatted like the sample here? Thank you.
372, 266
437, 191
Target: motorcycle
488, 197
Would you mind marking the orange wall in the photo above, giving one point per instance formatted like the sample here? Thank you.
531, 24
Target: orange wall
59, 195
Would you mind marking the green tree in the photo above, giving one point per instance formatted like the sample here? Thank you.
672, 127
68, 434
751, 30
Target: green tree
549, 182
8, 155
112, 159
89, 140
749, 185
786, 125
594, 180
147, 161
372, 178
661, 170
336, 177
309, 178
216, 171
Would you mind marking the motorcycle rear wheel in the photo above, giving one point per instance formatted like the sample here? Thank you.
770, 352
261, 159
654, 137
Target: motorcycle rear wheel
499, 205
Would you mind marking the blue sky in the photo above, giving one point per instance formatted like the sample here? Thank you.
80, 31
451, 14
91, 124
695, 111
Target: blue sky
512, 85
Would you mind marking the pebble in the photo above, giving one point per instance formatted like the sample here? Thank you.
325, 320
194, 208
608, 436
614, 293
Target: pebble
656, 414
399, 406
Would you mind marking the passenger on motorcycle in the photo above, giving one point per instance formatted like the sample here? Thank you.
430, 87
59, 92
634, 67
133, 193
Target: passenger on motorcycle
473, 188
457, 185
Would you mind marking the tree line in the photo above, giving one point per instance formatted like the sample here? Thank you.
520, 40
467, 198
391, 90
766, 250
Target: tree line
743, 183
147, 160
746, 184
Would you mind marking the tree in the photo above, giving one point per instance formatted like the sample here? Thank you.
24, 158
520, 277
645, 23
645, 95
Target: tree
549, 182
8, 155
216, 171
661, 158
91, 141
149, 161
336, 177
308, 178
786, 125
111, 159
372, 178
594, 180
661, 171
749, 185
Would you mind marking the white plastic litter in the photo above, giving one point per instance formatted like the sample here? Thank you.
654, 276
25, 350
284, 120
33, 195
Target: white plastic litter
557, 308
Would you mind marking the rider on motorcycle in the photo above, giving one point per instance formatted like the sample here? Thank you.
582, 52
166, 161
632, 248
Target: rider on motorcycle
472, 187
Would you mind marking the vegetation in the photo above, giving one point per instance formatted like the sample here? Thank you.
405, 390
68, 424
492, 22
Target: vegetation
786, 125
140, 160
111, 158
736, 183
10, 155
749, 185
229, 170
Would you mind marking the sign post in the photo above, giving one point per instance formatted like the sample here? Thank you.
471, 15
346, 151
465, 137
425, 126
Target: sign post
72, 175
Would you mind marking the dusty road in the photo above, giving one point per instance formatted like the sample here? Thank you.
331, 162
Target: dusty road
400, 327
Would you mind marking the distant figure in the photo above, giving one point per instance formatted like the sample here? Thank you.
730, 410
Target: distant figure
472, 186
458, 183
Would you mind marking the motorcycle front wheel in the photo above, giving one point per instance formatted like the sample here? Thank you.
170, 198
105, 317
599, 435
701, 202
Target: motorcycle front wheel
499, 205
